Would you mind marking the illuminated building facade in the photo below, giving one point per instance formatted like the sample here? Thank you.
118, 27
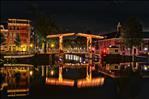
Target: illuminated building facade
114, 39
18, 31
141, 50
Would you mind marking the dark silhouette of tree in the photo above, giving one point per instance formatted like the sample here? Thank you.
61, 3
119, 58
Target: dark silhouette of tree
131, 34
44, 25
17, 40
80, 42
18, 77
2, 38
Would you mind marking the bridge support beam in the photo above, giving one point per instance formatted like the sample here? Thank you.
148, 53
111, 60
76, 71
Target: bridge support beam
60, 73
87, 75
89, 68
61, 42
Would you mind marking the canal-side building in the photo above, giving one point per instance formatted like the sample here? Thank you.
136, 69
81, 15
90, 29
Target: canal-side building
114, 39
19, 31
17, 36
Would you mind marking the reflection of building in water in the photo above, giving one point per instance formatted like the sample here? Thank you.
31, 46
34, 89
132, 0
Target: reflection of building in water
112, 67
18, 80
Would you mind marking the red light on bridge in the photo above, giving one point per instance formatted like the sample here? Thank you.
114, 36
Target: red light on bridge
93, 48
104, 50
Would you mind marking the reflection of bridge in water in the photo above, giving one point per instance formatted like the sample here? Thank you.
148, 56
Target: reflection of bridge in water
88, 81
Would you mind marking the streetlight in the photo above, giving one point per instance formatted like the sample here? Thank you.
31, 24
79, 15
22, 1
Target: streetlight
52, 72
31, 73
52, 45
31, 45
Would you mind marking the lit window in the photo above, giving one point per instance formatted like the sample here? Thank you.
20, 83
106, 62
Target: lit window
145, 49
71, 57
80, 59
66, 56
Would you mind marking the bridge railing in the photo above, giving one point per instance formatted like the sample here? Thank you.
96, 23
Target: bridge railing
72, 50
68, 51
69, 65
75, 50
53, 51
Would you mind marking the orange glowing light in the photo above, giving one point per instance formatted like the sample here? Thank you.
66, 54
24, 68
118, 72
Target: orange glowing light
52, 72
55, 81
31, 73
90, 82
104, 50
90, 35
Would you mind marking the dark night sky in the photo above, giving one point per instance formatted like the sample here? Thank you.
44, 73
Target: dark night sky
79, 16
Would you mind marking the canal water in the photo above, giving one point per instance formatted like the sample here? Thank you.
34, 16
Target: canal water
25, 81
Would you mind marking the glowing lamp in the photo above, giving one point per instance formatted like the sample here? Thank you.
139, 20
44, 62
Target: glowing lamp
104, 51
145, 49
23, 49
31, 45
145, 67
84, 62
52, 45
31, 73
52, 72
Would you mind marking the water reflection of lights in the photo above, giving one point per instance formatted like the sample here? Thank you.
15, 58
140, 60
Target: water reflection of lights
90, 83
17, 78
3, 85
93, 68
80, 83
14, 95
66, 70
18, 92
55, 81
84, 62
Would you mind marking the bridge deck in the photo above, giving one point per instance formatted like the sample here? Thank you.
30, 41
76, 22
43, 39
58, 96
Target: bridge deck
75, 65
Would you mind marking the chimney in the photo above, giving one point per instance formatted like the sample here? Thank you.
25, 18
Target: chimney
119, 27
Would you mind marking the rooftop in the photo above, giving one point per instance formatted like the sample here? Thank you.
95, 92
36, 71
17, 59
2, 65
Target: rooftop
117, 35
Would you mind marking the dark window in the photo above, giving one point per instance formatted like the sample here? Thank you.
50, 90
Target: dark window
116, 50
140, 48
116, 67
134, 51
9, 47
